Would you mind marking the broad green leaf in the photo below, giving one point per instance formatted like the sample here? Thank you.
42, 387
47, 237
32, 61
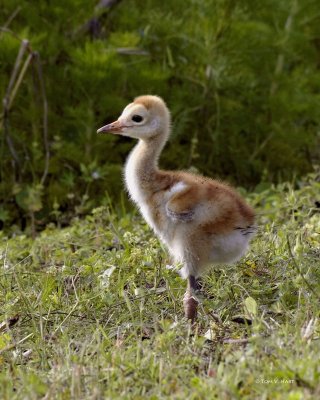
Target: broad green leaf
251, 306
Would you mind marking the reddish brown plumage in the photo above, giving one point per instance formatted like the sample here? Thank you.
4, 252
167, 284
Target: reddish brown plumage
233, 210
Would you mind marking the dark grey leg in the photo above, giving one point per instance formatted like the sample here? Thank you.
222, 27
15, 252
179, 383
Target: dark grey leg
193, 283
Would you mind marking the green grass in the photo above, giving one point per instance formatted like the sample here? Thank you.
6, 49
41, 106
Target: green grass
95, 313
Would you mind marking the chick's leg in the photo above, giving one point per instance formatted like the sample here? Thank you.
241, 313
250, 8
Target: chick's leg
190, 301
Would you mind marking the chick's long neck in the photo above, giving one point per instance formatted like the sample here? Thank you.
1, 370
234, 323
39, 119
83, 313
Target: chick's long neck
142, 165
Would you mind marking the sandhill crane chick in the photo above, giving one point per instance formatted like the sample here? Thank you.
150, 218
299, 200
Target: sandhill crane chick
201, 221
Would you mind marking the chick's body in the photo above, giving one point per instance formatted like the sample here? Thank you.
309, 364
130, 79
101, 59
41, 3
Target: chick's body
201, 221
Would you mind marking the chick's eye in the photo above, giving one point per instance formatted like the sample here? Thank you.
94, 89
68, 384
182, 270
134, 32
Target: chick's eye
137, 118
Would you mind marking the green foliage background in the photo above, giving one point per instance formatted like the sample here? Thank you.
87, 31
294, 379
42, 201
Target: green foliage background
242, 79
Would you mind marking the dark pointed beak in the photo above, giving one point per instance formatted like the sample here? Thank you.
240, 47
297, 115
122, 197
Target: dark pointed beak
114, 127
